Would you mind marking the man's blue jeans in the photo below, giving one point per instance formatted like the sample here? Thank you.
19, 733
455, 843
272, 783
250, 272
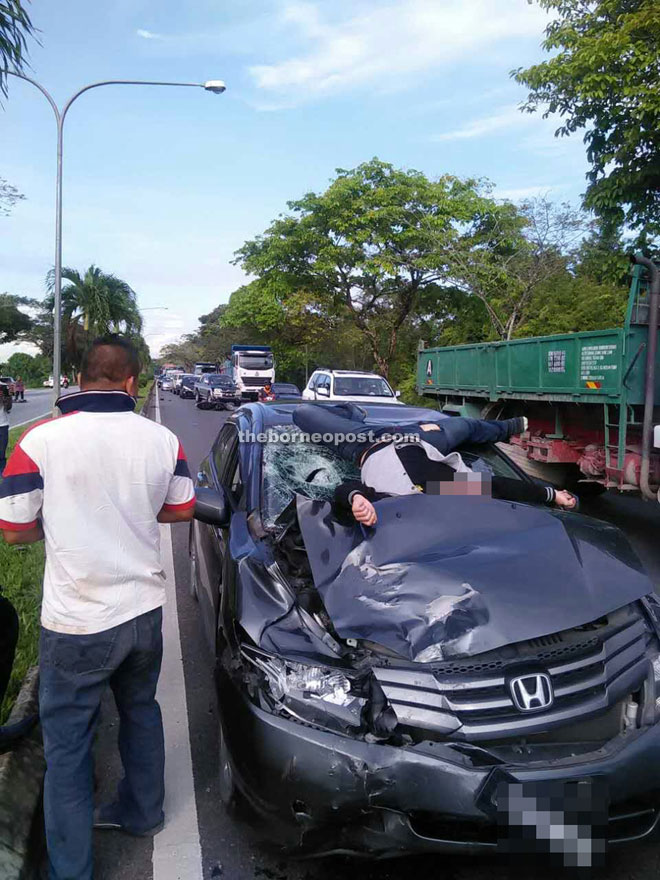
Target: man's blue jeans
335, 423
4, 438
74, 673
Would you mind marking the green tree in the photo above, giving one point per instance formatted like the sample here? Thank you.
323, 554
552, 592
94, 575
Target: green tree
14, 323
33, 369
368, 246
603, 77
15, 29
94, 304
505, 256
9, 195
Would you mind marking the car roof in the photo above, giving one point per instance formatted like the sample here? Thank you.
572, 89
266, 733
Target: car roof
360, 373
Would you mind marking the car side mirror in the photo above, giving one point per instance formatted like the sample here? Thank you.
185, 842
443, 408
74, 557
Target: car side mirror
397, 394
324, 392
211, 507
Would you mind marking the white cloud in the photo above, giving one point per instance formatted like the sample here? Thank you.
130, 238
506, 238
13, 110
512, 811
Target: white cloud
385, 43
149, 35
504, 119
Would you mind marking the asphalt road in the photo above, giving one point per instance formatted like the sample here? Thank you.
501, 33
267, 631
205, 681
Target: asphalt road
232, 849
38, 403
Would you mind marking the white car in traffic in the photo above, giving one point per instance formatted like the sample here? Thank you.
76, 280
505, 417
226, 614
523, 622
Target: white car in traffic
341, 385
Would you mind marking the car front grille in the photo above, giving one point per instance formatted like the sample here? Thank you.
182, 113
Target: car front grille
254, 381
469, 700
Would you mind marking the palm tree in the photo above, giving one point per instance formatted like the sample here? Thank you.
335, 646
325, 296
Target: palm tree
94, 304
15, 28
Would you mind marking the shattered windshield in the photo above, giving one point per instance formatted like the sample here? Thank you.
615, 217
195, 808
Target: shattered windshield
291, 468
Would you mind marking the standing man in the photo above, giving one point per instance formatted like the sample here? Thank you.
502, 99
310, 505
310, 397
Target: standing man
94, 485
5, 409
19, 390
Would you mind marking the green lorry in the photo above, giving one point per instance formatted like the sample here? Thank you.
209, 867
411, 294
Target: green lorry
592, 398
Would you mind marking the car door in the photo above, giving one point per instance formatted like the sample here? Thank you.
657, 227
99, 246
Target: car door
322, 389
211, 541
308, 391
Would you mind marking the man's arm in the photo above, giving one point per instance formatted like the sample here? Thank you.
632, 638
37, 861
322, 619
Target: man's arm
532, 493
170, 515
25, 536
179, 504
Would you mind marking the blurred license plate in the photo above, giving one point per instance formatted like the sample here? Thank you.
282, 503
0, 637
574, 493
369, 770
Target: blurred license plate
566, 821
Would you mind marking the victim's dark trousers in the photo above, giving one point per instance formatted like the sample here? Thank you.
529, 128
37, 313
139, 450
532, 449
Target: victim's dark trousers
341, 428
74, 672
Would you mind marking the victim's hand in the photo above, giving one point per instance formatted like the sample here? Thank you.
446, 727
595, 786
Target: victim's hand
363, 510
565, 499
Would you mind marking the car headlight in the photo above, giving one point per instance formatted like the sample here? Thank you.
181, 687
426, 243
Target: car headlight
656, 676
309, 682
315, 694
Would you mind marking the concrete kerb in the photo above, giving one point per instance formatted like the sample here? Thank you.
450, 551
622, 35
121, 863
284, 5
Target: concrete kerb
22, 771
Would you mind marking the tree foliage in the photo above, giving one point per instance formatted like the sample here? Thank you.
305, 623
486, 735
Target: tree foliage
367, 247
9, 195
94, 304
14, 322
355, 277
15, 30
33, 369
604, 77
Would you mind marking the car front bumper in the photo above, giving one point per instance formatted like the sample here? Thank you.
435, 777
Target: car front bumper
326, 793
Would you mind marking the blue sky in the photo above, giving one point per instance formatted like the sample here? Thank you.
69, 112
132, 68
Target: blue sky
162, 185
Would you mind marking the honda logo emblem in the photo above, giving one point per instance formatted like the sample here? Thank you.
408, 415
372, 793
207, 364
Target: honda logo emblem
532, 693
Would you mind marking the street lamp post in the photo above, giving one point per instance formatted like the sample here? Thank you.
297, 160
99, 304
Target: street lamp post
215, 86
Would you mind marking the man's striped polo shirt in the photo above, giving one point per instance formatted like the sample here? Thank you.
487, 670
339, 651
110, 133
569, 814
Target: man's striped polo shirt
97, 478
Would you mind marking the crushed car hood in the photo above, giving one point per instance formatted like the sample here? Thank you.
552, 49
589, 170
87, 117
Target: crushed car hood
443, 577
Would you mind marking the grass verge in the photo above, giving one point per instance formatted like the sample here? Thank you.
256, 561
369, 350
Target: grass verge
143, 394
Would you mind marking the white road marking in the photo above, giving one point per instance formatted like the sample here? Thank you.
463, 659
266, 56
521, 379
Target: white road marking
33, 419
177, 853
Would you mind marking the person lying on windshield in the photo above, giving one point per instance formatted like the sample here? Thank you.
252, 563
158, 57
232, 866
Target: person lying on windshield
422, 459
437, 478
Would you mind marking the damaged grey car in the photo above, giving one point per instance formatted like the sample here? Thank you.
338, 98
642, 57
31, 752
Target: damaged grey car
382, 690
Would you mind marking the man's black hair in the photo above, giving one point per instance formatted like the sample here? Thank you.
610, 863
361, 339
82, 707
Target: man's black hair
110, 358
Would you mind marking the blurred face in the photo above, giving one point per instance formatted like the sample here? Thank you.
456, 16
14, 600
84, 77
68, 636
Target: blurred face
472, 485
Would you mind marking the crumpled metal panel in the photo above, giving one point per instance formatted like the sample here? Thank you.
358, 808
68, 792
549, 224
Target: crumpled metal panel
443, 577
266, 606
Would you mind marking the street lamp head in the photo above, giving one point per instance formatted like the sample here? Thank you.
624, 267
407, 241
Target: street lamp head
215, 85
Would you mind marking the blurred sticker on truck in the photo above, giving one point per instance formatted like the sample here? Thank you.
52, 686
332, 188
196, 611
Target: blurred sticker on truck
557, 361
594, 363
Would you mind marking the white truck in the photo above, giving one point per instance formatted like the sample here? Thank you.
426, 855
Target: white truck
250, 366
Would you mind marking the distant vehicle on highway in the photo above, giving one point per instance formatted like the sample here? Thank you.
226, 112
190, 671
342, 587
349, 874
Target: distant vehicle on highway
326, 384
49, 383
217, 389
383, 693
169, 373
187, 387
9, 382
286, 391
202, 367
250, 367
166, 383
178, 377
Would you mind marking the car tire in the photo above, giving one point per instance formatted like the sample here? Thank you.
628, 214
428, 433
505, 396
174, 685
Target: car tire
192, 556
231, 797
